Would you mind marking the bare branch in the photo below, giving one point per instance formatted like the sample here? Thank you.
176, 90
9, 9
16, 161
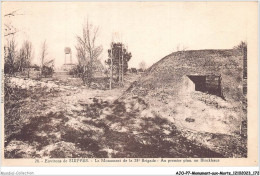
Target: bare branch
94, 37
43, 53
12, 33
7, 26
13, 13
87, 52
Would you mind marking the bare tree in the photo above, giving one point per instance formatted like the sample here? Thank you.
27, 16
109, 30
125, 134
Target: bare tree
25, 57
87, 51
10, 55
46, 64
142, 65
43, 55
9, 29
21, 64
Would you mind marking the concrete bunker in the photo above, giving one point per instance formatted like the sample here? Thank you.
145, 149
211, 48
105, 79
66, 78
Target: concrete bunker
210, 84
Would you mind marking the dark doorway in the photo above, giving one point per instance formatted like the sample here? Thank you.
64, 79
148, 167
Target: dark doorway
210, 84
200, 82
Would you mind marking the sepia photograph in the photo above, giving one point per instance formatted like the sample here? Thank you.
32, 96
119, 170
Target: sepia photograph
115, 80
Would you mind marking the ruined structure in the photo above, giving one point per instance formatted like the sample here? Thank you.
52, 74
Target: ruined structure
217, 72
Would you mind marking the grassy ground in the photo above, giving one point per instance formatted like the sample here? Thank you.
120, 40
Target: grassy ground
60, 117
208, 120
81, 122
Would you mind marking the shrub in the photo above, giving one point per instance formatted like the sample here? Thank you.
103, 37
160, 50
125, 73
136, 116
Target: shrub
47, 71
76, 71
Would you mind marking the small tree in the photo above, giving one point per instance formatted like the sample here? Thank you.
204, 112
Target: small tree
28, 55
46, 65
120, 57
242, 47
43, 56
88, 51
21, 60
25, 57
47, 71
10, 56
10, 53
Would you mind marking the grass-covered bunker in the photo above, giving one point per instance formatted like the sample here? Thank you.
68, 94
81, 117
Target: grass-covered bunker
218, 72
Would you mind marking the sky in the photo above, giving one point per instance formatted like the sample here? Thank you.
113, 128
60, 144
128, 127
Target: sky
150, 30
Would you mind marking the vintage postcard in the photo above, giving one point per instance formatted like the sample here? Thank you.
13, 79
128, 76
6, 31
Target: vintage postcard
129, 84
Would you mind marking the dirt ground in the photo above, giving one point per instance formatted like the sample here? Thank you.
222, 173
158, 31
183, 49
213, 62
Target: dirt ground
56, 119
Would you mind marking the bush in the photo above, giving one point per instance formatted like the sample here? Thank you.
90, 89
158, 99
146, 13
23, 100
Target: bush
11, 68
47, 71
86, 76
76, 71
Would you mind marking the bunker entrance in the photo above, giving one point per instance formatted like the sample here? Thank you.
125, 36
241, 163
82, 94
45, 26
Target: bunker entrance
210, 84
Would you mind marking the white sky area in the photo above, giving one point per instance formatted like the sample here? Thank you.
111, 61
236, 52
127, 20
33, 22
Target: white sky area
150, 30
